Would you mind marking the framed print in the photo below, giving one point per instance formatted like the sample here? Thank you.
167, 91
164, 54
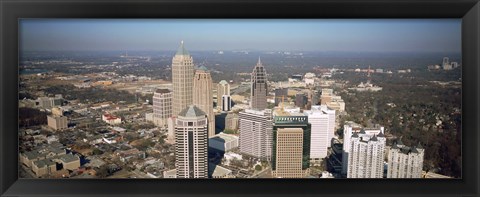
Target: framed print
239, 98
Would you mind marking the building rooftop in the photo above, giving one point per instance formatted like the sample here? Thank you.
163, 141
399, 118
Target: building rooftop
181, 50
192, 111
169, 173
203, 68
223, 82
224, 137
43, 163
162, 91
218, 171
67, 158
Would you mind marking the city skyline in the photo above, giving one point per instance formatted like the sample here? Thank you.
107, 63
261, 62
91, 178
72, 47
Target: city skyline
330, 122
343, 35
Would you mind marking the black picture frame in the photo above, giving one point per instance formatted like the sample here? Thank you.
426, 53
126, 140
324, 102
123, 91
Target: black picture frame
11, 11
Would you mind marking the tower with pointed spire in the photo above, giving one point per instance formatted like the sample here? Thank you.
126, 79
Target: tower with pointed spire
182, 80
258, 96
203, 96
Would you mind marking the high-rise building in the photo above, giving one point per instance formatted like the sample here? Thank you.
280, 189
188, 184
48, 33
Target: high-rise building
366, 155
171, 129
182, 79
289, 153
300, 100
281, 95
349, 128
258, 90
291, 144
231, 121
191, 136
162, 107
404, 161
322, 120
256, 133
226, 103
223, 88
203, 96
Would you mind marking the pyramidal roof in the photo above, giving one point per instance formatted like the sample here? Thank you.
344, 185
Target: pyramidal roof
259, 63
202, 68
223, 82
381, 134
191, 111
419, 146
181, 50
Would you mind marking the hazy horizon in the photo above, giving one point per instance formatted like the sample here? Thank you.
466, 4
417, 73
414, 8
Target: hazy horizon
302, 35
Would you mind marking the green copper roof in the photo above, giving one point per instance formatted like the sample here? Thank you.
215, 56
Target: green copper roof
223, 82
202, 68
191, 111
181, 50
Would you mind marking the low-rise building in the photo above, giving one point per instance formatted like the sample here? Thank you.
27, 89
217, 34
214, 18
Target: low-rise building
130, 154
57, 122
111, 119
219, 172
223, 142
44, 167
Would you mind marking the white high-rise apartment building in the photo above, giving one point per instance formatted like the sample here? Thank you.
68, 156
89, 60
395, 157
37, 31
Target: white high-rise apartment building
349, 128
182, 79
322, 120
162, 107
256, 133
404, 161
203, 96
366, 155
191, 136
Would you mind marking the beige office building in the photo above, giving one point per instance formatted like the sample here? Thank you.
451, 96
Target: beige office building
182, 79
162, 107
231, 121
57, 122
191, 136
203, 96
289, 153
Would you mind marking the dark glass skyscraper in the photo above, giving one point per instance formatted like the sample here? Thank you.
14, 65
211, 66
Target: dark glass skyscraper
259, 87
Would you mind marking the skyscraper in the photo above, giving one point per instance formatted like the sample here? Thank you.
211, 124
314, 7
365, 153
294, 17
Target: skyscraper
203, 96
350, 128
191, 136
365, 159
291, 144
223, 88
404, 161
322, 120
256, 133
259, 87
289, 153
182, 79
226, 103
162, 107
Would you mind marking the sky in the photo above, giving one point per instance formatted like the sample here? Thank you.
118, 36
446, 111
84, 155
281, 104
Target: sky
347, 35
